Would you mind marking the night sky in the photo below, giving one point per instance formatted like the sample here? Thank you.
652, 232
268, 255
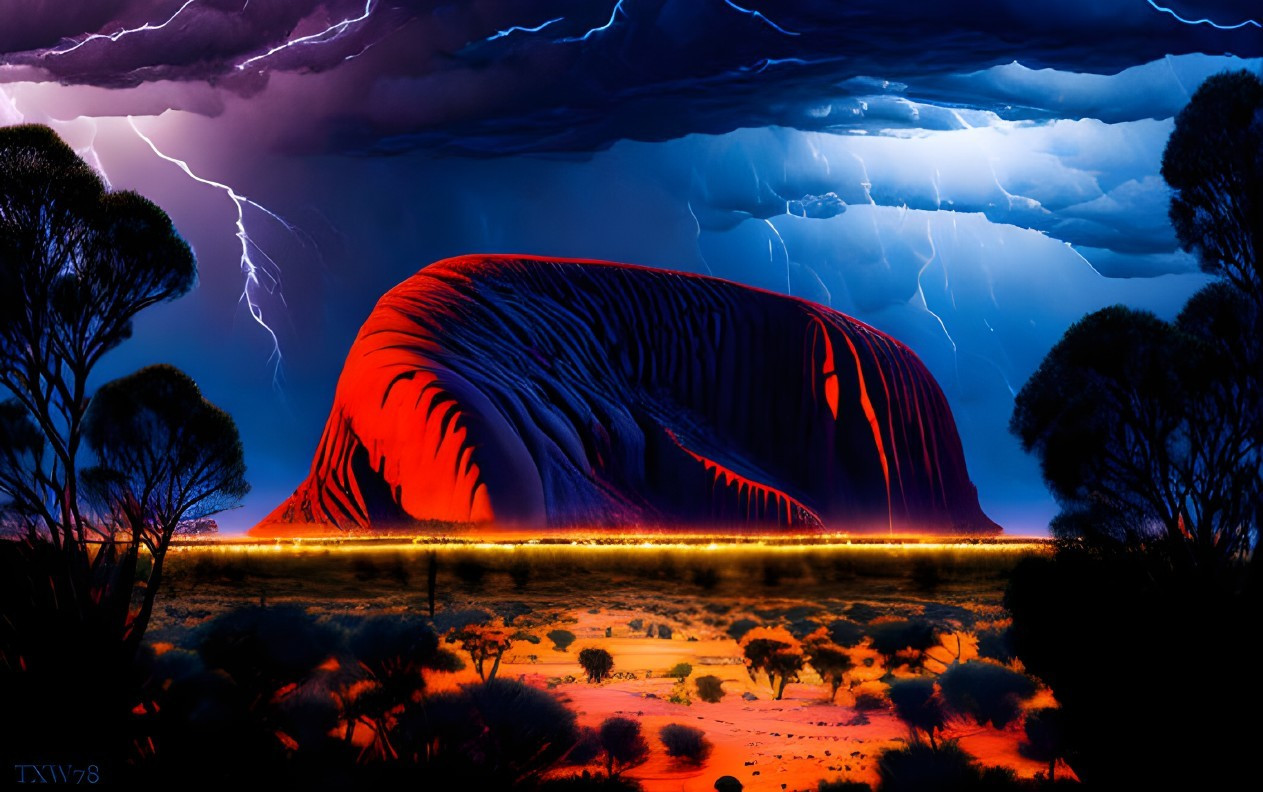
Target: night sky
968, 177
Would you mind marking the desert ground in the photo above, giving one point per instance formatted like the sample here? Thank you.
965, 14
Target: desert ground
620, 597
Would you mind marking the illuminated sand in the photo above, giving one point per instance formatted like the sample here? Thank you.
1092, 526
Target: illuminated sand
610, 582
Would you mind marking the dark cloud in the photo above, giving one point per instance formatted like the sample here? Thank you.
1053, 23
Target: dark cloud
477, 78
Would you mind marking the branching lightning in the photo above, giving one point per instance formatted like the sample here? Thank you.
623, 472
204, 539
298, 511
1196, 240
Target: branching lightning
330, 33
784, 249
264, 274
1205, 21
148, 26
759, 16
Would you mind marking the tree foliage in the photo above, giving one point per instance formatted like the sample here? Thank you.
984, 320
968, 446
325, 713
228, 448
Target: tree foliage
597, 663
1213, 163
774, 652
623, 744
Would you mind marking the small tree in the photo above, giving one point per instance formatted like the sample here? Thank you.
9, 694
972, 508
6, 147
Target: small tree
597, 663
986, 692
889, 638
774, 652
1212, 163
680, 671
561, 639
828, 659
623, 744
1045, 738
710, 688
482, 642
685, 743
917, 705
164, 455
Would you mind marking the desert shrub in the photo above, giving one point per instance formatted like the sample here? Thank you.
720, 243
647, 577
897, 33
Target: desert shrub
597, 663
493, 735
892, 637
561, 639
986, 692
685, 743
450, 620
862, 612
636, 624
868, 700
919, 767
917, 705
664, 632
623, 744
710, 688
740, 627
996, 644
523, 635
680, 670
680, 694
845, 633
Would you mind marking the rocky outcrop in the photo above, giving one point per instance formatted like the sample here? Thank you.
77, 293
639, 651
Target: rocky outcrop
527, 392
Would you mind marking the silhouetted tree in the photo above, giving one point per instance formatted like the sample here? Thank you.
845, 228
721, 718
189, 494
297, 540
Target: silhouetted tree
383, 667
164, 455
1045, 738
1212, 163
680, 671
686, 743
917, 704
828, 659
623, 744
774, 652
483, 642
986, 692
597, 663
77, 263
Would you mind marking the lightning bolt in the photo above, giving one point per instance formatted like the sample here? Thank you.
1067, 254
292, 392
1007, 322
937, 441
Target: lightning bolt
759, 16
330, 33
89, 154
1205, 21
784, 249
698, 238
253, 272
148, 26
521, 29
618, 9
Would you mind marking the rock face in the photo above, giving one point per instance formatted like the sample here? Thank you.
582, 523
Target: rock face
531, 392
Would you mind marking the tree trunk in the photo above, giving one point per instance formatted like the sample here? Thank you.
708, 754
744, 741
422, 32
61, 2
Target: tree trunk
432, 578
495, 667
780, 689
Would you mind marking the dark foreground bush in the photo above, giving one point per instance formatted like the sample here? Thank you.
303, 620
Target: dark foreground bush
686, 743
947, 768
710, 688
